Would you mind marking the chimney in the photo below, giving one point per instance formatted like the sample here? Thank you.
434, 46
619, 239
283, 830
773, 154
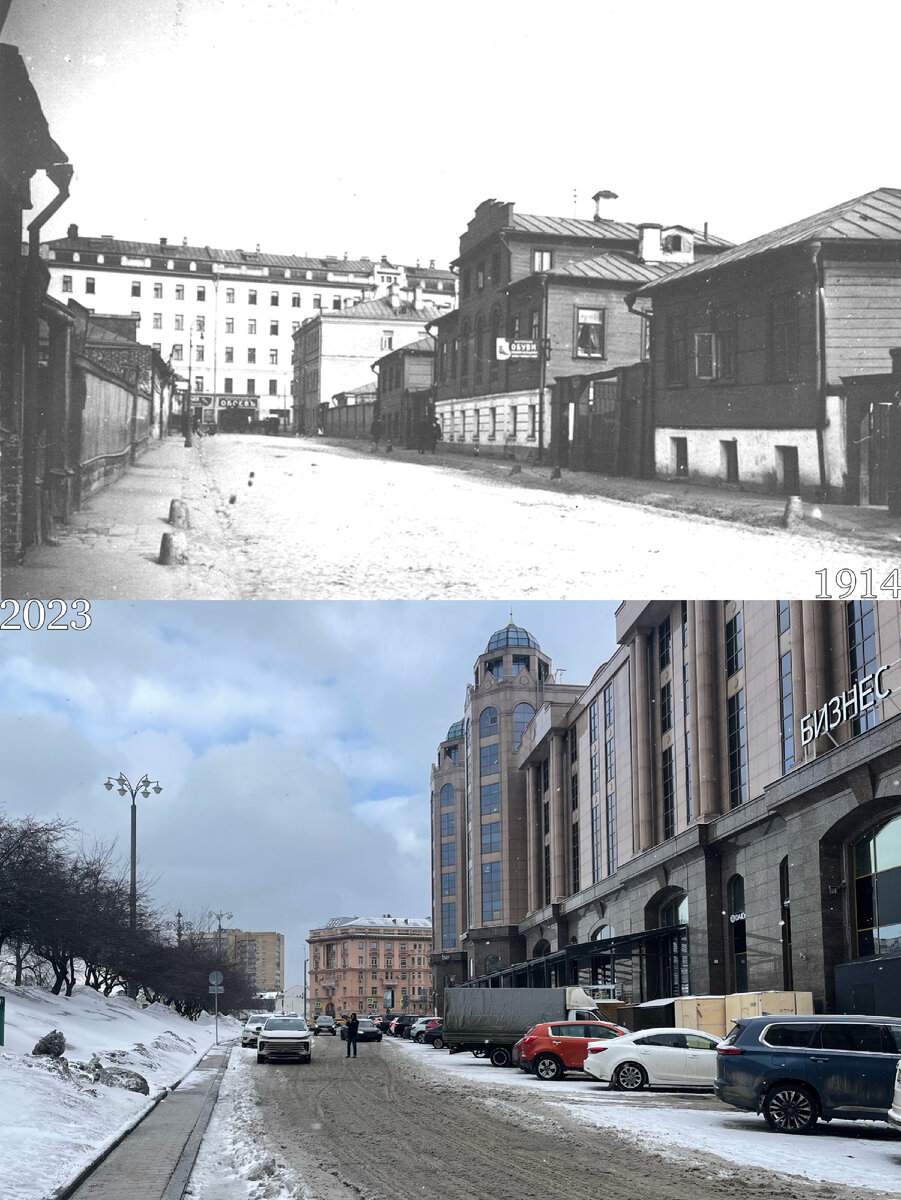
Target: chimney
164, 241
393, 294
418, 296
72, 232
650, 242
896, 361
431, 264
597, 198
184, 243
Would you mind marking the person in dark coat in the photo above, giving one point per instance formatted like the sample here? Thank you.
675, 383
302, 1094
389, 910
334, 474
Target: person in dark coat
352, 1026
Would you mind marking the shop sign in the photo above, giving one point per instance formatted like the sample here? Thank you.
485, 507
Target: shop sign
739, 916
237, 401
850, 704
506, 349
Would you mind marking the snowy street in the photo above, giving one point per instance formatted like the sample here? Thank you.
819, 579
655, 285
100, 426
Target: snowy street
402, 1117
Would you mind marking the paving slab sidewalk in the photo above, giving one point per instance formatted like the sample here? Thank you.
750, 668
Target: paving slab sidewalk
110, 549
154, 1161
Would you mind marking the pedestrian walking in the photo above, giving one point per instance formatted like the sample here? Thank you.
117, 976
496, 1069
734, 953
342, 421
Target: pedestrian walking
351, 1027
375, 432
435, 434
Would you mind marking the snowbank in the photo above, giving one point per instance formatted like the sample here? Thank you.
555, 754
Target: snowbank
55, 1119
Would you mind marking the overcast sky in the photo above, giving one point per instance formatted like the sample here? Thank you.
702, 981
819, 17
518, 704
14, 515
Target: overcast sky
293, 742
326, 126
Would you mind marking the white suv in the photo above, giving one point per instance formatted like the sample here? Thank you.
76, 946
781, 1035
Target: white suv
252, 1028
285, 1037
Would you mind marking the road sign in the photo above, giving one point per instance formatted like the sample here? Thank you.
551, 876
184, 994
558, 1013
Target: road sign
216, 990
216, 977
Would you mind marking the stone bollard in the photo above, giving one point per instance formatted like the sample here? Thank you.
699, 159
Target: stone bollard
173, 550
517, 470
794, 512
556, 473
179, 517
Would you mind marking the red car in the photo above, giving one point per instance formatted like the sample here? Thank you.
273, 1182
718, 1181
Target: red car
551, 1049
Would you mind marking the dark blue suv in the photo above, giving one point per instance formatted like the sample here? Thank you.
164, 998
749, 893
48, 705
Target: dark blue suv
800, 1068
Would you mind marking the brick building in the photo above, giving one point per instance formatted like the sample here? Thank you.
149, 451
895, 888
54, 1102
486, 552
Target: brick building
719, 810
370, 964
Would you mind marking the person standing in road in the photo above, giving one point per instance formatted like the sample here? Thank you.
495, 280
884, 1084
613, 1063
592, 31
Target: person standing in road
352, 1026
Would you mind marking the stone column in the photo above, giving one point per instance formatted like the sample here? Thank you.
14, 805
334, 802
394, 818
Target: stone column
707, 719
643, 829
557, 803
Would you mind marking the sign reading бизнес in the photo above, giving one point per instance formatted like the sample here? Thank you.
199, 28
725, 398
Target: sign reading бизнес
850, 704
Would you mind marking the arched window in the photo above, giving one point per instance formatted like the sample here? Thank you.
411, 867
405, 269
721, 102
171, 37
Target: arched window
738, 935
522, 715
876, 859
488, 722
674, 912
542, 948
447, 795
601, 933
479, 346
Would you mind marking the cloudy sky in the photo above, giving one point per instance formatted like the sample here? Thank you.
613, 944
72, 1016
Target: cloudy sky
293, 743
326, 126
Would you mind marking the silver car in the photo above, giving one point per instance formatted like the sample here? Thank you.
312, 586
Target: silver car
252, 1028
285, 1037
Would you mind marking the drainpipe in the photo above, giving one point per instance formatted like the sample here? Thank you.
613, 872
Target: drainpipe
643, 471
817, 259
60, 174
543, 350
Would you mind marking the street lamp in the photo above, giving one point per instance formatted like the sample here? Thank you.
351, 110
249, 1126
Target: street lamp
144, 786
219, 916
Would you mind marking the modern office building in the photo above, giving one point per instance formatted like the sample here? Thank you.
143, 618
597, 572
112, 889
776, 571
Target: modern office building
370, 964
225, 318
718, 811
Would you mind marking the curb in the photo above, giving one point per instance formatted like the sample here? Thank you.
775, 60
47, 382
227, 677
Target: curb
65, 1190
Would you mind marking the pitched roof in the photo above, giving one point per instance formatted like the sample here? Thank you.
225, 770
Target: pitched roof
608, 230
614, 266
382, 310
378, 923
873, 217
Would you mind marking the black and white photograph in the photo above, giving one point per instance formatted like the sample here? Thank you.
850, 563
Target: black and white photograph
463, 446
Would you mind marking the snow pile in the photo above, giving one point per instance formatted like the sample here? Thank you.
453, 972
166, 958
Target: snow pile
55, 1119
237, 1160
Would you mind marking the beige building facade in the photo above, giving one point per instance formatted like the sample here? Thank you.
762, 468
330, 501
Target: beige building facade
370, 965
261, 956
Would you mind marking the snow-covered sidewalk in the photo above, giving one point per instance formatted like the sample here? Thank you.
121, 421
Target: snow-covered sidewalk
55, 1120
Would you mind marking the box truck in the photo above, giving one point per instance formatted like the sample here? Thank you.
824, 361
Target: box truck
492, 1020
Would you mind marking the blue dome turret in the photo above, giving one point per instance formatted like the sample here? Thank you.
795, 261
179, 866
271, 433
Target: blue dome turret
512, 635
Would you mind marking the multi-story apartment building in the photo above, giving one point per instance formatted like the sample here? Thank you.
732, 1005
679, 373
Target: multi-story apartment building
370, 964
261, 956
335, 349
541, 297
225, 318
718, 811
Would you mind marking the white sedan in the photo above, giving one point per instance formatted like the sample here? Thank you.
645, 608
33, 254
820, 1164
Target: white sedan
684, 1058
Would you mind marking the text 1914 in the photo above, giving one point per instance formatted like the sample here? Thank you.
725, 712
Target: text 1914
860, 584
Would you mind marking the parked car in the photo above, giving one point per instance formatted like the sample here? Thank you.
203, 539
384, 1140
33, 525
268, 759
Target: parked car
384, 1022
399, 1024
798, 1069
894, 1113
285, 1037
663, 1057
419, 1026
367, 1031
252, 1028
325, 1025
432, 1036
552, 1048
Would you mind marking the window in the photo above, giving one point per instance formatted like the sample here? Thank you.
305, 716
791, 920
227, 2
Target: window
336, 302
251, 296
676, 365
157, 320
666, 707
251, 355
251, 327
876, 861
786, 710
480, 276
589, 339
229, 295
273, 299
90, 285
611, 833
136, 287
488, 759
596, 843
738, 934
229, 324
734, 646
664, 644
521, 662
490, 798
447, 824
595, 765
157, 291
522, 715
273, 387
251, 387
387, 340
715, 349
488, 721
229, 354
317, 300
593, 721
448, 854
229, 385
201, 324
179, 291
495, 667
534, 325
738, 754
860, 617
448, 883
783, 616
198, 383
448, 924
295, 299
177, 352
179, 321
273, 358
491, 837
669, 793
198, 354
491, 891
201, 293
783, 336
542, 260
67, 283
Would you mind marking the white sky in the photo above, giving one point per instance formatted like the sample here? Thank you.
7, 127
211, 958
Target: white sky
329, 125
292, 740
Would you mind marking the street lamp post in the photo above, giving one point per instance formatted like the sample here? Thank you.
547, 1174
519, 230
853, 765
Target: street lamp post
144, 786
